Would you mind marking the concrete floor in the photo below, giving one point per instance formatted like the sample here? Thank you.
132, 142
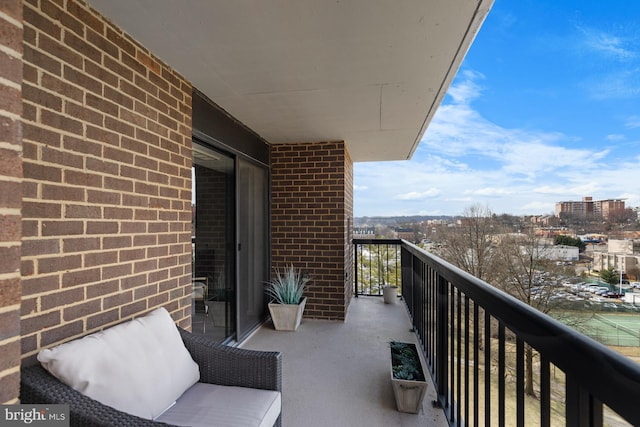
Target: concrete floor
338, 373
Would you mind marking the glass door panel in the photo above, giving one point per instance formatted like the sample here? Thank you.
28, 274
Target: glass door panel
213, 241
253, 244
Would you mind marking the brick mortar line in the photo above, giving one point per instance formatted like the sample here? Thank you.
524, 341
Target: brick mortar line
11, 20
11, 52
11, 115
9, 309
7, 145
9, 211
8, 276
6, 178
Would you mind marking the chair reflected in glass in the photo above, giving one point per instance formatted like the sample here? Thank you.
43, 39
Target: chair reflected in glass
199, 298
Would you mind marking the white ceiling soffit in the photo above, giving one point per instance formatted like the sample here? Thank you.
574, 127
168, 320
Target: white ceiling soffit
367, 72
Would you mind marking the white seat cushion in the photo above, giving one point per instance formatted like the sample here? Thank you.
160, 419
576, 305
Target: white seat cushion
221, 406
139, 367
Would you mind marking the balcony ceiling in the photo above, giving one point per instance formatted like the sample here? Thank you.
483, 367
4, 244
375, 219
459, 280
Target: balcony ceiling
371, 73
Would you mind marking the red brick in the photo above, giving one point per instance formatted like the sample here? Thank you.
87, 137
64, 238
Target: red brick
60, 333
82, 211
103, 318
81, 244
118, 213
84, 179
59, 263
112, 272
101, 227
105, 287
40, 247
117, 300
10, 228
103, 166
100, 258
103, 197
61, 228
116, 242
80, 277
62, 298
39, 322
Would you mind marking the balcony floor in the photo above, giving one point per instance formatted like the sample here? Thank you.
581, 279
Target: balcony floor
337, 373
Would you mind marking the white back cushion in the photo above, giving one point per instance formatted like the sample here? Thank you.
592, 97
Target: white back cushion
140, 367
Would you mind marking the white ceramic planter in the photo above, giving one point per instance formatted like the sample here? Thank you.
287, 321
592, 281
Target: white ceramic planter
390, 294
287, 317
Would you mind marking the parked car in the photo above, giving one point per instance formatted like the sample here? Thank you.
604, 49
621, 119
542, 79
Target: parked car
612, 294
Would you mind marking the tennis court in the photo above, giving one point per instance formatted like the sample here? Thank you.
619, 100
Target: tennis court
614, 329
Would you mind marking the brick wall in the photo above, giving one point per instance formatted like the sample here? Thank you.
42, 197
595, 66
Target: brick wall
107, 179
311, 206
348, 228
10, 202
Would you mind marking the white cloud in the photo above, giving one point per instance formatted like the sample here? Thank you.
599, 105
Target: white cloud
607, 44
464, 159
414, 195
632, 122
489, 191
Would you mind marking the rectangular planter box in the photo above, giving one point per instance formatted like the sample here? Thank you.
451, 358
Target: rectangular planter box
409, 394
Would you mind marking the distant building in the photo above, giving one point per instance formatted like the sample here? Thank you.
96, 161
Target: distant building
619, 256
405, 233
364, 233
560, 252
588, 207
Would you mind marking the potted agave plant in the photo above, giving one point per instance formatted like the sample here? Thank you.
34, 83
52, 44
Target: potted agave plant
286, 290
407, 377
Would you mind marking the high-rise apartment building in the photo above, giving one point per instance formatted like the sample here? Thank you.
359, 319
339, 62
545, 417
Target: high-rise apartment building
589, 207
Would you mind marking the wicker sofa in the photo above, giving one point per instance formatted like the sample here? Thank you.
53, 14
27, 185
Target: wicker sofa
218, 364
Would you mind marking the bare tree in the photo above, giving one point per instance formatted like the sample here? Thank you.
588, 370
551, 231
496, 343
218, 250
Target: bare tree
523, 271
468, 244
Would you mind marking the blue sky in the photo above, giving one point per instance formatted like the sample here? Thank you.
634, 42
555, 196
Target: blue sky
545, 108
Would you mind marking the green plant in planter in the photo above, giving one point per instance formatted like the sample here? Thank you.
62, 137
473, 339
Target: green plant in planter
405, 362
288, 286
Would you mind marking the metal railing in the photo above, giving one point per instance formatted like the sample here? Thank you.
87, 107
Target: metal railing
495, 360
377, 265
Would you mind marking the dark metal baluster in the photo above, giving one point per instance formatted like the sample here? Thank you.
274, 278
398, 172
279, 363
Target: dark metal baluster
452, 353
545, 393
476, 363
501, 375
459, 356
520, 378
487, 368
466, 359
442, 315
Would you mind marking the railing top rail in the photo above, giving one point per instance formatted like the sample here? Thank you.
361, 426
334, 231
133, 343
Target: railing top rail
377, 241
611, 377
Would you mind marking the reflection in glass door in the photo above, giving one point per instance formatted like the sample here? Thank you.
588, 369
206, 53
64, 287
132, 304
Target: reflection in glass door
213, 241
253, 244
